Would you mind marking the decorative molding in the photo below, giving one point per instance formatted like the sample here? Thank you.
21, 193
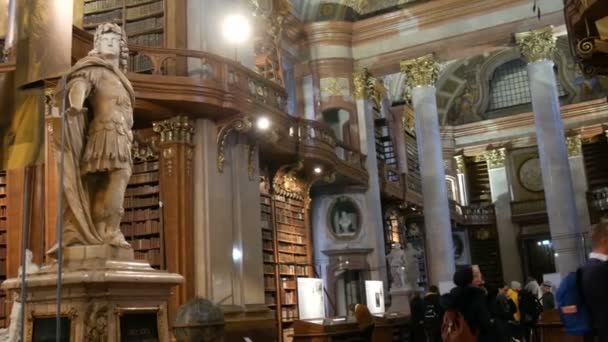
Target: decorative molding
96, 322
189, 158
460, 166
362, 80
178, 129
241, 124
496, 158
537, 45
168, 155
574, 144
334, 86
144, 149
420, 72
287, 183
49, 101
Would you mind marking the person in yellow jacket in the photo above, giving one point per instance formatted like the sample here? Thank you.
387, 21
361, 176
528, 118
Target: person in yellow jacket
513, 294
365, 321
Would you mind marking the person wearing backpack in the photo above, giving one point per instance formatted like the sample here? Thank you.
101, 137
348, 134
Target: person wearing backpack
433, 315
466, 318
594, 280
530, 307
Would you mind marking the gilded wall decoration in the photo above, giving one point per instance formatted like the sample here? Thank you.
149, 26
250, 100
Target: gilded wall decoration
574, 144
460, 165
168, 158
421, 71
334, 86
287, 183
96, 322
179, 129
530, 175
241, 124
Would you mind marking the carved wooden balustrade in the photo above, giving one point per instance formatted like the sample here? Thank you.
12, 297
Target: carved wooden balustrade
479, 214
531, 211
391, 181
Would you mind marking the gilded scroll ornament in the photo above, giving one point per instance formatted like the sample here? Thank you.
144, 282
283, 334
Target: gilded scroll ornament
574, 145
420, 72
496, 158
287, 183
537, 45
96, 323
179, 129
240, 124
251, 161
361, 81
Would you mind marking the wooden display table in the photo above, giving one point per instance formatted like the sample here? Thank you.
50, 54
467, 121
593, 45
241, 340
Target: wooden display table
341, 329
550, 329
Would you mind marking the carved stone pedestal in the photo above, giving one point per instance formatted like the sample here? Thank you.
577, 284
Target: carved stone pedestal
106, 293
400, 302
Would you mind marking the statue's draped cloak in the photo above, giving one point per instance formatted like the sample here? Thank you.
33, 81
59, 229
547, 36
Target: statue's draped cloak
78, 223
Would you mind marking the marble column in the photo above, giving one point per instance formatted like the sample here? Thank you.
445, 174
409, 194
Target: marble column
421, 75
537, 47
461, 176
507, 230
579, 181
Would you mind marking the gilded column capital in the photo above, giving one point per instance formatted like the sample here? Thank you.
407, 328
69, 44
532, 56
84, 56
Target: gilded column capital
537, 45
460, 167
496, 158
574, 145
421, 71
178, 129
363, 83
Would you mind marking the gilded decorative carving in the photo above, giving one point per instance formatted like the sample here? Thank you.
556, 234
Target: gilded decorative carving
334, 86
574, 144
144, 149
168, 154
460, 166
178, 129
49, 101
189, 158
363, 83
287, 183
496, 158
537, 45
96, 322
240, 124
420, 72
409, 124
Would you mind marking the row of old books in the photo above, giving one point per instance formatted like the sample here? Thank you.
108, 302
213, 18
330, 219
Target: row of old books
291, 258
146, 177
141, 215
288, 248
141, 26
145, 10
151, 40
137, 202
93, 20
147, 166
142, 190
102, 5
148, 243
153, 256
141, 228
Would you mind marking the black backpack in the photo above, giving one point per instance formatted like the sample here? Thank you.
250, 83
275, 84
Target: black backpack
432, 316
530, 307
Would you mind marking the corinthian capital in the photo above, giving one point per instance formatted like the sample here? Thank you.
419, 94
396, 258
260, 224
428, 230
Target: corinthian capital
536, 45
421, 71
496, 158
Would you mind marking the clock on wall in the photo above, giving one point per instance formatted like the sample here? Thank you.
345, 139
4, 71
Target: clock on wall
530, 175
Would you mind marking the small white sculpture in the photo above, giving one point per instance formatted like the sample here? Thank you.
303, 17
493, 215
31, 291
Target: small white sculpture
12, 333
397, 263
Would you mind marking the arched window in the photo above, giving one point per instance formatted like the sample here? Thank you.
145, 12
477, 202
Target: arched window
510, 86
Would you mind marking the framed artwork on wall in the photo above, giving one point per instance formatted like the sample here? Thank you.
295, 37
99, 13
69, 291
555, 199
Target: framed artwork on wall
344, 218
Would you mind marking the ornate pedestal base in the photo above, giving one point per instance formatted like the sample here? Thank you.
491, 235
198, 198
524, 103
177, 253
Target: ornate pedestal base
106, 293
400, 302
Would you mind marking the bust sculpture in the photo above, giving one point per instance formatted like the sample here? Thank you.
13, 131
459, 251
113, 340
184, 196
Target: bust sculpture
397, 263
97, 144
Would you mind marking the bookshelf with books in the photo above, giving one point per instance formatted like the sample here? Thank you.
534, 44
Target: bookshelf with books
287, 254
3, 242
144, 20
142, 220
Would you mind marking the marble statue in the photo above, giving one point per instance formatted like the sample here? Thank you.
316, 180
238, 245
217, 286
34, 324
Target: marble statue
11, 334
345, 223
397, 263
97, 145
412, 255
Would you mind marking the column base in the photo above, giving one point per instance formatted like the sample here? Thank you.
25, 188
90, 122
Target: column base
102, 288
400, 302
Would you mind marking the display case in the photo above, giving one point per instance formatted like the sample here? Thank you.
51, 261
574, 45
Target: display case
341, 329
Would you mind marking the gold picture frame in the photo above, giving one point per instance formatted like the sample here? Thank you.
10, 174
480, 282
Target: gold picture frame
70, 313
160, 319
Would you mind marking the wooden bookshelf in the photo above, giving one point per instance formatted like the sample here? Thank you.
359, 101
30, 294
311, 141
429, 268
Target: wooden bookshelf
142, 220
595, 154
286, 250
413, 164
143, 20
478, 179
485, 252
3, 242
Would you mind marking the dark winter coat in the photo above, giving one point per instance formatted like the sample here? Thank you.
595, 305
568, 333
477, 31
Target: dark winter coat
471, 302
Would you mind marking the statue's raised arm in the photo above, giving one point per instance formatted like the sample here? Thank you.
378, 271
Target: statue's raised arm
97, 101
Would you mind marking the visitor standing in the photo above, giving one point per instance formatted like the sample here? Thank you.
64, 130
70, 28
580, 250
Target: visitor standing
595, 281
548, 298
365, 321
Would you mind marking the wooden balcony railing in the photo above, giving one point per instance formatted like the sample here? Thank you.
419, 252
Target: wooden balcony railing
532, 211
479, 214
